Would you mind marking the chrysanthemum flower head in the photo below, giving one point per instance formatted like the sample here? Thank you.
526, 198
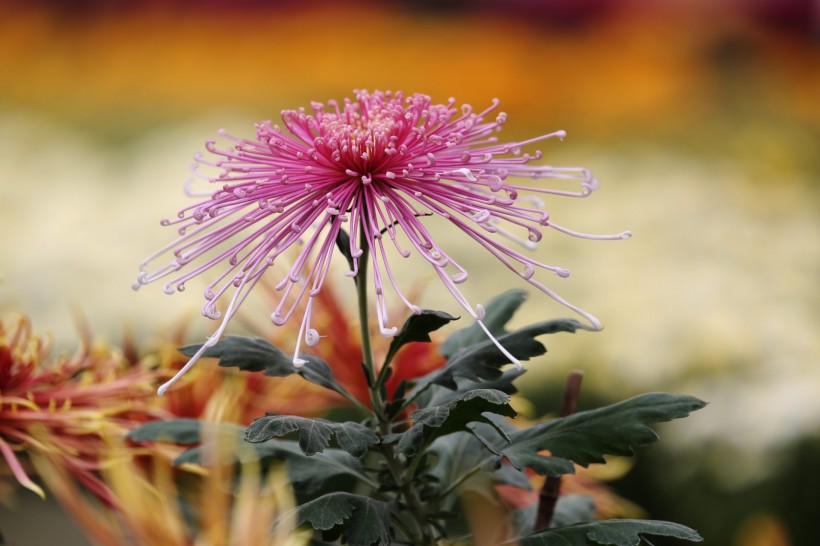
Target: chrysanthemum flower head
375, 167
63, 407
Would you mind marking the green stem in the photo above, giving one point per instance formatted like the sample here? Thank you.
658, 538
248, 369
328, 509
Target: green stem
417, 510
404, 479
361, 407
409, 402
416, 459
461, 479
383, 374
376, 401
404, 529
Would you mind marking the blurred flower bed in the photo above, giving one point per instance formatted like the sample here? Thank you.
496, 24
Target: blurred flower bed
703, 116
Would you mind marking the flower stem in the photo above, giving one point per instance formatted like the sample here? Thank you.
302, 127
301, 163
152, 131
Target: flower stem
402, 477
376, 401
417, 509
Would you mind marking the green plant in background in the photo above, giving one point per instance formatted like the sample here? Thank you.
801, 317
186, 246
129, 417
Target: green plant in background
382, 164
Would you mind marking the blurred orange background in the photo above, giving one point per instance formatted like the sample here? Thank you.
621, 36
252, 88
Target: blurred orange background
702, 120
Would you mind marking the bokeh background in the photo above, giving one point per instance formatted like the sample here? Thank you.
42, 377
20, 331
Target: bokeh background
700, 117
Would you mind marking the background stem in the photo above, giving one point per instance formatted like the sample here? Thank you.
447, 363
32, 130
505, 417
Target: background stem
551, 490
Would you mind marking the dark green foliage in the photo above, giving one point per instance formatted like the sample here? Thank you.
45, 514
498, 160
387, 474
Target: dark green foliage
366, 521
343, 244
394, 480
616, 532
249, 355
259, 355
482, 361
314, 434
436, 421
307, 473
468, 407
418, 328
572, 510
497, 314
185, 432
586, 437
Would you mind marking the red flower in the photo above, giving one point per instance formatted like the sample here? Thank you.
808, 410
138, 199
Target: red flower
63, 408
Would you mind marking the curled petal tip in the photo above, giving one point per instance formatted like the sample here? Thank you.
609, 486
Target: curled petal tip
312, 337
467, 173
298, 362
277, 318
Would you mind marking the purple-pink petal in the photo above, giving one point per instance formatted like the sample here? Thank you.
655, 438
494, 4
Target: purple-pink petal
376, 165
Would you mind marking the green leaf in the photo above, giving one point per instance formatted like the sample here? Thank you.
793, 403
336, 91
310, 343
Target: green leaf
409, 441
623, 532
573, 509
483, 361
417, 328
259, 355
468, 407
586, 437
509, 475
498, 313
457, 457
366, 521
318, 371
307, 473
314, 434
343, 244
543, 465
184, 432
189, 456
505, 383
326, 512
247, 354
454, 455
457, 415
354, 438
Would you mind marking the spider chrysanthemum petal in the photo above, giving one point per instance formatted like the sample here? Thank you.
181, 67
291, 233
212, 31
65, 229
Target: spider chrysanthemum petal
375, 166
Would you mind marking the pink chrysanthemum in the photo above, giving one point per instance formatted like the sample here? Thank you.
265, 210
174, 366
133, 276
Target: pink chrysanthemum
378, 165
